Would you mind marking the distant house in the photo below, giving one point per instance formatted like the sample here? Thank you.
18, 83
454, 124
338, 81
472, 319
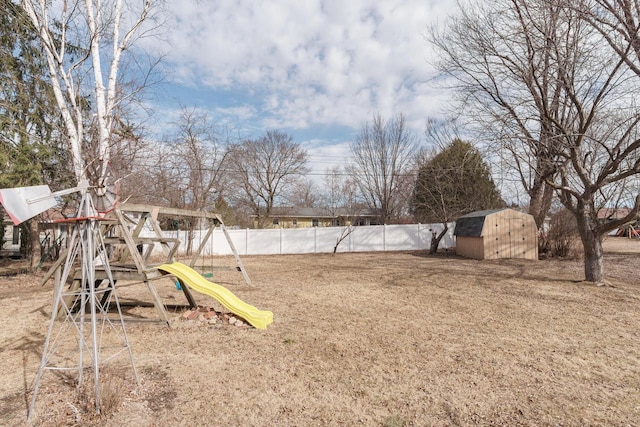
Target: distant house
291, 217
609, 214
495, 234
10, 245
51, 233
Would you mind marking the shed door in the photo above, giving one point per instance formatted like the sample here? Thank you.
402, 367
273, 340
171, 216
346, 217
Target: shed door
517, 242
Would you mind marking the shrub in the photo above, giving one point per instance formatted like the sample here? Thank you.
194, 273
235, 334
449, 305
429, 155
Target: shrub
111, 395
561, 236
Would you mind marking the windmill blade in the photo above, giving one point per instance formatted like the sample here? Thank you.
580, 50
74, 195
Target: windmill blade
105, 194
106, 198
22, 203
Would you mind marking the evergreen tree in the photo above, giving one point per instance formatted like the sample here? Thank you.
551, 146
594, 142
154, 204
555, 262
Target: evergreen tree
29, 154
452, 183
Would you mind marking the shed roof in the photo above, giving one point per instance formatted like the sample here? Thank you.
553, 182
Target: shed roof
470, 225
482, 213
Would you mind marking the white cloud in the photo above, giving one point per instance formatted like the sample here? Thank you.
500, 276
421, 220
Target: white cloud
307, 63
243, 112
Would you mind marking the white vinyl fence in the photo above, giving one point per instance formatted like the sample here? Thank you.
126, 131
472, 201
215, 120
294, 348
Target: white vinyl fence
315, 240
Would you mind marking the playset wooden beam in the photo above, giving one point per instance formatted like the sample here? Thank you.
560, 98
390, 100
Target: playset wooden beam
123, 230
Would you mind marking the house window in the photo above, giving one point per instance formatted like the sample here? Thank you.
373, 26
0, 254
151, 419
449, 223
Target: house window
276, 221
314, 222
294, 222
16, 235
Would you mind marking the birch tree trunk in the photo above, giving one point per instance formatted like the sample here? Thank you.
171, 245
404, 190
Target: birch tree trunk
92, 22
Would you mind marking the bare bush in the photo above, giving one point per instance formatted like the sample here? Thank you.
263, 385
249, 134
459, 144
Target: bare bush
111, 398
560, 240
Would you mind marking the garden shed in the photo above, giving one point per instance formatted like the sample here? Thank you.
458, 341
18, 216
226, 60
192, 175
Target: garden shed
494, 234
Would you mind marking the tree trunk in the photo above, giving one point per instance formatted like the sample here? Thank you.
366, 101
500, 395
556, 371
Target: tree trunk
593, 260
30, 244
592, 246
435, 239
343, 235
190, 235
541, 196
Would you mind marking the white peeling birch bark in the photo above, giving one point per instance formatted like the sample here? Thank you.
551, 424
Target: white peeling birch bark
67, 88
60, 79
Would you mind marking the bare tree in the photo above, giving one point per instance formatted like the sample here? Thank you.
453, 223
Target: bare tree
618, 22
303, 193
84, 43
264, 169
129, 150
506, 59
188, 170
383, 154
537, 75
199, 149
339, 193
341, 200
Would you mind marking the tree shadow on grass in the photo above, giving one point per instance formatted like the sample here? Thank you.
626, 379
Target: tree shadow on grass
503, 269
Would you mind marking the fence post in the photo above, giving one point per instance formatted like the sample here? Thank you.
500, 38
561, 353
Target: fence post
384, 237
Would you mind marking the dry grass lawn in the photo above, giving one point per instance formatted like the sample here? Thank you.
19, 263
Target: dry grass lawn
373, 339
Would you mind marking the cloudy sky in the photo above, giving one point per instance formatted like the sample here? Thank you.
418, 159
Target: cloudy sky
317, 69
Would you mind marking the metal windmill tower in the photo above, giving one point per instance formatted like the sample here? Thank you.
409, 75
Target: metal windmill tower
86, 337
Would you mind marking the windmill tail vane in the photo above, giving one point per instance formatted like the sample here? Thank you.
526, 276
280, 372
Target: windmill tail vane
23, 203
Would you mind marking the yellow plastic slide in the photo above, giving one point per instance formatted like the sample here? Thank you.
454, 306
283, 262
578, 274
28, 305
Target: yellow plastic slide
257, 318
